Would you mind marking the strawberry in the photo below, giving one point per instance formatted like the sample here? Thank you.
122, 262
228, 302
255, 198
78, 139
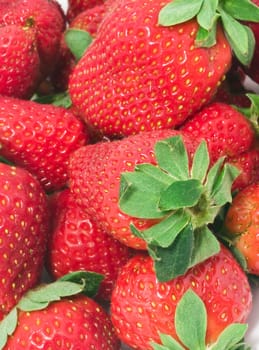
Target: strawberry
227, 131
142, 307
241, 225
77, 243
23, 238
40, 138
150, 70
19, 61
75, 7
48, 20
59, 315
135, 189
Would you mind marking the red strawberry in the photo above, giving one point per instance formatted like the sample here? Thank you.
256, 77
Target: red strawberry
48, 20
77, 243
241, 225
143, 75
142, 308
23, 238
19, 61
227, 131
94, 173
75, 7
54, 316
147, 192
40, 138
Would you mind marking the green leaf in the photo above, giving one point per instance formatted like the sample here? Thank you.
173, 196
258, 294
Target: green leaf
89, 281
8, 326
206, 38
180, 194
164, 233
192, 332
201, 161
172, 156
61, 99
169, 343
253, 111
78, 41
137, 188
45, 294
231, 336
173, 261
213, 175
179, 11
222, 190
207, 14
243, 10
240, 38
205, 245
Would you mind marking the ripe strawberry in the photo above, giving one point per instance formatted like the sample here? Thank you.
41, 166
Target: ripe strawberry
241, 225
136, 189
19, 61
40, 138
141, 307
23, 237
48, 20
75, 7
77, 243
94, 179
150, 70
57, 316
227, 131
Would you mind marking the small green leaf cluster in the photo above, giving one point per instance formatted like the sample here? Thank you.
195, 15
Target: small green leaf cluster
37, 299
208, 13
192, 332
184, 196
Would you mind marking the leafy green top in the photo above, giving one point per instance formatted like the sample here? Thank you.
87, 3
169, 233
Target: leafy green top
208, 13
192, 333
183, 198
39, 298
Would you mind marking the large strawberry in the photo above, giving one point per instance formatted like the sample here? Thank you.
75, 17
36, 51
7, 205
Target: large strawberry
142, 308
77, 243
48, 20
60, 315
155, 66
19, 61
40, 138
146, 191
23, 234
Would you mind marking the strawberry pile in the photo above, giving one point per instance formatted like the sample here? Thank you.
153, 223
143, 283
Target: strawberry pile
129, 174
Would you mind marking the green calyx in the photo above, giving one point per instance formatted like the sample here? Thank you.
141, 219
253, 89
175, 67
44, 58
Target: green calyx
192, 332
39, 298
78, 41
208, 13
252, 112
184, 198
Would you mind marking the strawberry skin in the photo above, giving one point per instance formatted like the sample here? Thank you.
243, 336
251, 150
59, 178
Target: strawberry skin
94, 179
48, 20
138, 75
75, 7
71, 323
241, 224
23, 237
227, 131
77, 243
19, 61
40, 138
141, 306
